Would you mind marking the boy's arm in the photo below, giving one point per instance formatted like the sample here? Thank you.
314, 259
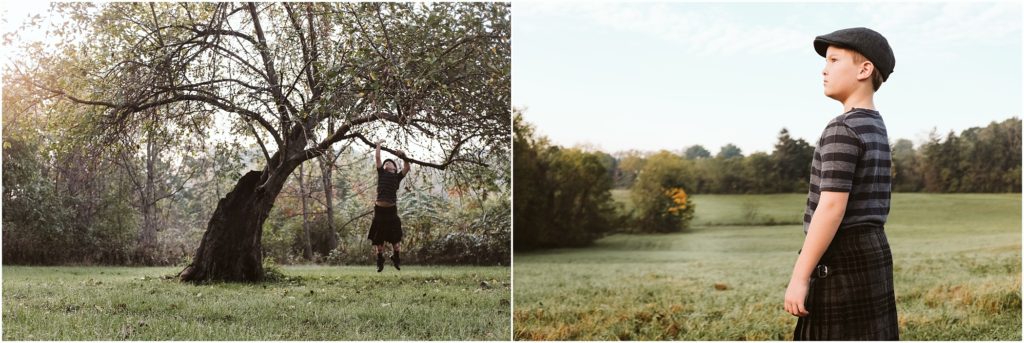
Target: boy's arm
824, 223
405, 163
839, 150
378, 155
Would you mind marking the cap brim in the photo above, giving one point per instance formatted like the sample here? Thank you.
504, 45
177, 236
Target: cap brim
821, 45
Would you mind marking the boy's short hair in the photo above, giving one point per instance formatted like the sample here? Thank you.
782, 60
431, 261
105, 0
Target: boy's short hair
876, 76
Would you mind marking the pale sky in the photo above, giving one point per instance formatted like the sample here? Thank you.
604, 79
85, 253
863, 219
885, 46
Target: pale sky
652, 76
648, 76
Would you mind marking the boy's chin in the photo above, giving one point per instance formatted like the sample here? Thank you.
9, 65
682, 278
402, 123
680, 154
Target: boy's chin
833, 95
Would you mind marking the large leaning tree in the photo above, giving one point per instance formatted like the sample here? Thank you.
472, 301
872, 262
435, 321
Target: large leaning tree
297, 78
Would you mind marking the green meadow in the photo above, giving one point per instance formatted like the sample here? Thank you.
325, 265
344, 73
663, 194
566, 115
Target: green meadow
957, 265
311, 303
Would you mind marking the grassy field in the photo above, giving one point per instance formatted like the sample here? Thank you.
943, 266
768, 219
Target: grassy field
957, 263
316, 303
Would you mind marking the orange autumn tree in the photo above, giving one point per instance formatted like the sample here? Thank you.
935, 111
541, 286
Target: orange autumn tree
659, 194
679, 200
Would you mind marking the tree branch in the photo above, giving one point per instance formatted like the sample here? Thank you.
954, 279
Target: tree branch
442, 166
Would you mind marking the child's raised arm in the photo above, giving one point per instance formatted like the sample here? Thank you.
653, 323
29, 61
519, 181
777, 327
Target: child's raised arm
378, 156
405, 163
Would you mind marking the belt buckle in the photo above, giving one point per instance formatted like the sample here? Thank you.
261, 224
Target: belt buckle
822, 271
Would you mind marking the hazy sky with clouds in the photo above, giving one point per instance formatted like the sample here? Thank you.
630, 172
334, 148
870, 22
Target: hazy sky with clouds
654, 76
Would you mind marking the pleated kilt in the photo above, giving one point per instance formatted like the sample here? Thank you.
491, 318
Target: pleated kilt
386, 226
854, 300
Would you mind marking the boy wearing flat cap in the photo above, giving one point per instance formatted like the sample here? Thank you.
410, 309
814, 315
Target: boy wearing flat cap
842, 284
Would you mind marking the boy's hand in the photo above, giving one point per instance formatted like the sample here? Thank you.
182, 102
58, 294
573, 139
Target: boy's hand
400, 153
796, 293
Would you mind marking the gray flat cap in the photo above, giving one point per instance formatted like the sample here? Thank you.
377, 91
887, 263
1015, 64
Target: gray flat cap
866, 41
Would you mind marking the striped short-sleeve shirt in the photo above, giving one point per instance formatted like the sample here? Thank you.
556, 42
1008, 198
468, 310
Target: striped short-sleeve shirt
387, 185
853, 156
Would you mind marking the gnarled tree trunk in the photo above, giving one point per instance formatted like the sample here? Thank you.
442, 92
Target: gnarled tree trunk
231, 249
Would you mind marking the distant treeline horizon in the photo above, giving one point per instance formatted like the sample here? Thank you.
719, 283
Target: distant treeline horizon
975, 160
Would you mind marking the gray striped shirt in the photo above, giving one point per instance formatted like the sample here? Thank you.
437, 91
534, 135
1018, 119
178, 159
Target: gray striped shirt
387, 185
853, 156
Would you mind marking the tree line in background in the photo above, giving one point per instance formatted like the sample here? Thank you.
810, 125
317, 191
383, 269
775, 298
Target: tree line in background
563, 195
978, 160
71, 198
786, 169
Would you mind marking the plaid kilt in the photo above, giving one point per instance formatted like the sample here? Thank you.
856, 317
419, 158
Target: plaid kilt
386, 226
855, 298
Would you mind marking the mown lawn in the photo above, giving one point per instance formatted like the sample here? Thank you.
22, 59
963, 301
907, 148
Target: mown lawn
957, 260
315, 303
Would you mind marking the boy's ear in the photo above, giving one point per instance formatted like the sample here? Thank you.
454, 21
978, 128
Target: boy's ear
865, 71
